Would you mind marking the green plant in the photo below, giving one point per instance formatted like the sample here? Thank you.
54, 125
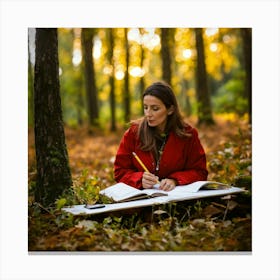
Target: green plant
86, 188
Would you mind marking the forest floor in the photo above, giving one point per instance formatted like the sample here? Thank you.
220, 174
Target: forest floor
215, 224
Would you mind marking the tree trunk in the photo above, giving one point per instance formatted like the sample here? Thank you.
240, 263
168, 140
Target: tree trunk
91, 91
165, 55
112, 80
188, 107
53, 172
247, 51
142, 79
80, 101
202, 92
79, 81
126, 82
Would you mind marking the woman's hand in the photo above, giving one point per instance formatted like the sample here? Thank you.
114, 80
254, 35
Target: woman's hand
167, 184
149, 180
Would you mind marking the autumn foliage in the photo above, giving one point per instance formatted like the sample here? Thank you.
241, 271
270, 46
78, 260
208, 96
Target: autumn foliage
217, 224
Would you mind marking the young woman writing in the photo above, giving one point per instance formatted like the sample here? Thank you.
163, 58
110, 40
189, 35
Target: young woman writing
168, 150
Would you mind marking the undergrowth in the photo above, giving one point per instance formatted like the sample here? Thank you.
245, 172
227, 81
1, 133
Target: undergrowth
211, 224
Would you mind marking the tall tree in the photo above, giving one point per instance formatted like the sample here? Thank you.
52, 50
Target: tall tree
80, 100
185, 87
202, 92
126, 80
53, 172
166, 55
79, 79
246, 34
142, 79
91, 91
112, 79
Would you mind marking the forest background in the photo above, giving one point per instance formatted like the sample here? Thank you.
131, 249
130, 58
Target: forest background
102, 73
137, 57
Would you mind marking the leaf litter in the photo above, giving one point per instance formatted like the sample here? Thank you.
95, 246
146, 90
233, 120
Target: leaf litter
218, 224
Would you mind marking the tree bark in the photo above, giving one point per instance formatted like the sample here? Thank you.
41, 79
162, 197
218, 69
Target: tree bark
202, 92
53, 171
165, 55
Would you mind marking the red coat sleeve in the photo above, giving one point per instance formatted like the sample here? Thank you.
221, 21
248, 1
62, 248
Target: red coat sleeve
195, 165
124, 169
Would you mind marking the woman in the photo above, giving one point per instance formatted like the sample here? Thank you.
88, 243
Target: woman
168, 147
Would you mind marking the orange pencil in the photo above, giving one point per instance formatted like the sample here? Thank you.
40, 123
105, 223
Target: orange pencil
140, 162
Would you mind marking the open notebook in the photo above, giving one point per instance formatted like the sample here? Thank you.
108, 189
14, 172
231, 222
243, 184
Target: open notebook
126, 197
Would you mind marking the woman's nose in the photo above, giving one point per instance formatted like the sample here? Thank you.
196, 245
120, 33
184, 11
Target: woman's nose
148, 113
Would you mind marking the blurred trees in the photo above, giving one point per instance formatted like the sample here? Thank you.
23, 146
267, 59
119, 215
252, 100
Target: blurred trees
203, 98
91, 91
111, 60
166, 54
142, 59
53, 172
126, 93
121, 62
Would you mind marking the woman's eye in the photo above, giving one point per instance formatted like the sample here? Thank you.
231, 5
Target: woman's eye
151, 108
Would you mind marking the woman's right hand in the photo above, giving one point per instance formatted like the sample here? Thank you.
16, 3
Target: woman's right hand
149, 180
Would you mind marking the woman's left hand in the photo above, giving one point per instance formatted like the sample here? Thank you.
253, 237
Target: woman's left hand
167, 184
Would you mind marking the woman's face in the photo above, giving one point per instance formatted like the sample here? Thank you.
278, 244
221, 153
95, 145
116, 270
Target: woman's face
155, 112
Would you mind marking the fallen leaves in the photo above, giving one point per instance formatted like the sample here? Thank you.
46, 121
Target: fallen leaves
208, 225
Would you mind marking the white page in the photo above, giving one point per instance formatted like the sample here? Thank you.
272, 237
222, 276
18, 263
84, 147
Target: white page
194, 187
120, 191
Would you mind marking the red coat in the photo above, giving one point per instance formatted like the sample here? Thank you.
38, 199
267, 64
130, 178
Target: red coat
183, 159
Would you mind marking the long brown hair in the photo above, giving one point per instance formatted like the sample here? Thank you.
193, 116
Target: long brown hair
149, 135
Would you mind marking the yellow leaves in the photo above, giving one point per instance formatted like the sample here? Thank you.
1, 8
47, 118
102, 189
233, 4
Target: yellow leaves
86, 188
60, 203
229, 154
219, 46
